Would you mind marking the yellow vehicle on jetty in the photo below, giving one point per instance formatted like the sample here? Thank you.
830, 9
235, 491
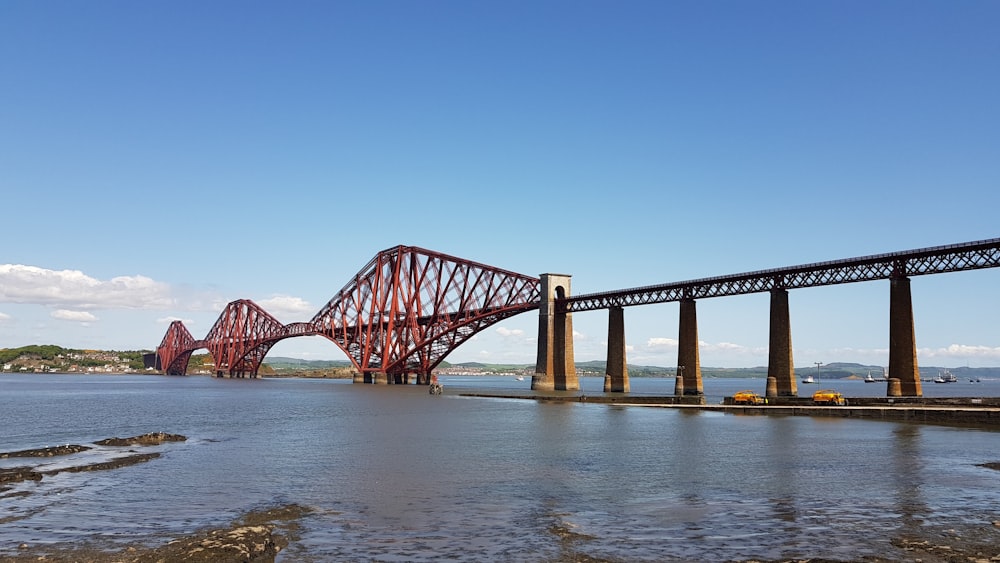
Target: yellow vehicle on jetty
829, 397
748, 398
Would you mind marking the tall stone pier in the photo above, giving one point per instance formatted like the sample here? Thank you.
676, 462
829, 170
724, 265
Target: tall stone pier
779, 354
616, 374
902, 342
688, 361
555, 368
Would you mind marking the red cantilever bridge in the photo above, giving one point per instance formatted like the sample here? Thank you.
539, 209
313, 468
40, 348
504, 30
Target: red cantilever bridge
405, 311
400, 315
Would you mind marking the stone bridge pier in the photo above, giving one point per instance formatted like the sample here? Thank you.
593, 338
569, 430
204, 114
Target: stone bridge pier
555, 367
616, 372
780, 366
904, 374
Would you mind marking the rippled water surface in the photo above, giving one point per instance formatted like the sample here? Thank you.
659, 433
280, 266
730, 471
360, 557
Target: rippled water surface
395, 474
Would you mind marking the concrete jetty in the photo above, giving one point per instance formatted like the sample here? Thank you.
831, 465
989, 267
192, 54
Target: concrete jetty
960, 411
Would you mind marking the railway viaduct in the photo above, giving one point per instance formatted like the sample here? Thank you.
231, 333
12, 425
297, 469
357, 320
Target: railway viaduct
408, 308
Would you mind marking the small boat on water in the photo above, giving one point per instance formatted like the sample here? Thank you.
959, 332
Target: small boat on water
869, 378
945, 377
808, 379
519, 378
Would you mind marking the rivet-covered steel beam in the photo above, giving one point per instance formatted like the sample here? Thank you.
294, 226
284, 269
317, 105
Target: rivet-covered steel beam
935, 260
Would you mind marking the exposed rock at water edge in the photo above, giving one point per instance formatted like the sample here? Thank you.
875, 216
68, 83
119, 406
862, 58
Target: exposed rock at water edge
150, 439
46, 452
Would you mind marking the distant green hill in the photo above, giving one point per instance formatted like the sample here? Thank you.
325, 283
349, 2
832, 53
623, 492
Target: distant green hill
58, 357
833, 370
279, 363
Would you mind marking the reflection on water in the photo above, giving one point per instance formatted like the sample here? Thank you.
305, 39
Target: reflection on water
905, 475
396, 474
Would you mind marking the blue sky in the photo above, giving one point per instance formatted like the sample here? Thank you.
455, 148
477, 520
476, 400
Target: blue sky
160, 159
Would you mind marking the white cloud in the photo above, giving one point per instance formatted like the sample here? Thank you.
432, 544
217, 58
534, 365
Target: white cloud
658, 344
961, 352
505, 332
73, 288
4, 317
657, 349
169, 319
75, 316
281, 305
730, 347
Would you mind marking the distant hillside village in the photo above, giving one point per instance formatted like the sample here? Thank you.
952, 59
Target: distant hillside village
55, 359
49, 359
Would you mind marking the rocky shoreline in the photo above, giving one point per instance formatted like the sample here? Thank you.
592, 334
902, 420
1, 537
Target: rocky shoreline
260, 536
12, 475
257, 537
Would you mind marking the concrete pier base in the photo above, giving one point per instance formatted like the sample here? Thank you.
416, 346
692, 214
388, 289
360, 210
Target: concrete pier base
893, 388
555, 367
688, 361
616, 377
779, 356
902, 342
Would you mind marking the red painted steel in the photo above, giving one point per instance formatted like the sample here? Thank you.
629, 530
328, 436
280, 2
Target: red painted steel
406, 310
402, 314
241, 337
410, 307
175, 349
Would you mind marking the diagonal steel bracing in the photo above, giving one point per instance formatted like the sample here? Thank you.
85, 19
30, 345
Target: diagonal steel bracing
401, 314
408, 307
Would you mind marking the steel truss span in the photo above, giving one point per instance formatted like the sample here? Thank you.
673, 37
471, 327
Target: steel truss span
402, 314
936, 260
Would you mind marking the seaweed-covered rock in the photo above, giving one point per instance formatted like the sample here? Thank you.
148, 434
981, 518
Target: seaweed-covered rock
46, 452
150, 439
18, 474
241, 544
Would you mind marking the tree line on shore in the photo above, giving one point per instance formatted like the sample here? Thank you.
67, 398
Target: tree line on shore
56, 358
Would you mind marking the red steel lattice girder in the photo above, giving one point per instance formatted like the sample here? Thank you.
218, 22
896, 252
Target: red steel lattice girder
403, 313
409, 308
175, 349
242, 336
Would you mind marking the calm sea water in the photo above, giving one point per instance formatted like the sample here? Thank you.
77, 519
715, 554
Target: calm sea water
395, 474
